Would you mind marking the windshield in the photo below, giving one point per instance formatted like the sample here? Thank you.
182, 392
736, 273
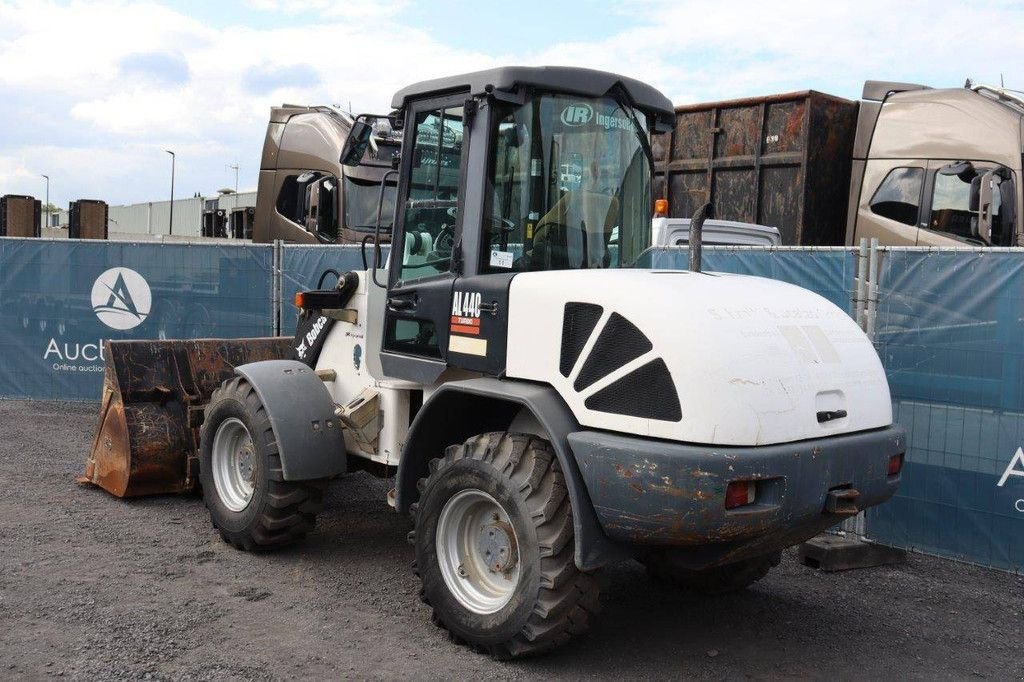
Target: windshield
360, 203
570, 186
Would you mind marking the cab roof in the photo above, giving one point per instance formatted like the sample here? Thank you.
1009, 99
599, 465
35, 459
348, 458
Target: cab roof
565, 79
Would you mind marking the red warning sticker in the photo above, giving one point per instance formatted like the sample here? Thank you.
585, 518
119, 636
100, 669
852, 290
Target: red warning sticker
465, 325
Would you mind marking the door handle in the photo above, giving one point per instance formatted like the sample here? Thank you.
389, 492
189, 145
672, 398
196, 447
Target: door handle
491, 307
398, 304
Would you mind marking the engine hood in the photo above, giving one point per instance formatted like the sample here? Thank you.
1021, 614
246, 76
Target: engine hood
696, 357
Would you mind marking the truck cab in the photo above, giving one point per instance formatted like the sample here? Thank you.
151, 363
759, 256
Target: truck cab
937, 167
305, 194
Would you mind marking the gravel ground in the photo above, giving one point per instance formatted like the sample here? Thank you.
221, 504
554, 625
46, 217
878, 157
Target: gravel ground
92, 587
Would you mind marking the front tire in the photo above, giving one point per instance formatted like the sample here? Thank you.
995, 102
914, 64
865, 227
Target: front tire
249, 501
495, 548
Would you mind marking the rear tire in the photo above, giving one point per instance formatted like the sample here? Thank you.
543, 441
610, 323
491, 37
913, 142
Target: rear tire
495, 547
249, 501
663, 566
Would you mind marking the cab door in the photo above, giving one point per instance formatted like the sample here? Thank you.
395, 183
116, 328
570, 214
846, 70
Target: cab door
428, 229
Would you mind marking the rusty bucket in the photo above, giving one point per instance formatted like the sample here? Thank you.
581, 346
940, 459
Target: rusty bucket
154, 393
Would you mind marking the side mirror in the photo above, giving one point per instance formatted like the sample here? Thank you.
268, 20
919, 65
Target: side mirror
326, 216
355, 144
981, 203
1008, 211
962, 169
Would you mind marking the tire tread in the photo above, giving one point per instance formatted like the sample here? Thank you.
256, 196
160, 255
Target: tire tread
568, 599
291, 507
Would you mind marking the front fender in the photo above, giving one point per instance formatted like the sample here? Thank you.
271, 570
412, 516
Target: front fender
308, 434
460, 409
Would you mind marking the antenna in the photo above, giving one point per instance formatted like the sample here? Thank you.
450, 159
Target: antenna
234, 167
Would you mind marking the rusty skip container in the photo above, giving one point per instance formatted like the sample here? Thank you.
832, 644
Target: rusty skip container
88, 219
20, 216
154, 394
782, 160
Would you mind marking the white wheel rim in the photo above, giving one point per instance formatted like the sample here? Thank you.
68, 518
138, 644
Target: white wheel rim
477, 551
233, 464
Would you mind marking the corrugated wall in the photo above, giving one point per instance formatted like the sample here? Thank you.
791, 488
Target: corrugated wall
153, 217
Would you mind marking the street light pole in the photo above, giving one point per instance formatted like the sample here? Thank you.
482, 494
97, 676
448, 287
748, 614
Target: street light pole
170, 222
235, 167
47, 200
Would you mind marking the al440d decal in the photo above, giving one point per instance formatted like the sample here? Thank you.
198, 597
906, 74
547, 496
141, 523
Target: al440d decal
465, 324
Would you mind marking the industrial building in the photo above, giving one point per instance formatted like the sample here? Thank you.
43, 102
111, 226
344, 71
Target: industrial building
152, 218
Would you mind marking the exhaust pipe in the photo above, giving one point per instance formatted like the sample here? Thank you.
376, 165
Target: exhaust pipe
696, 234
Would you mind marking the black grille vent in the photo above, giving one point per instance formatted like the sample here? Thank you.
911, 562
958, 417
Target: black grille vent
578, 322
647, 392
620, 342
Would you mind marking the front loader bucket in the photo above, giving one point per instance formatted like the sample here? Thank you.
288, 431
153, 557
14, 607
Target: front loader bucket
154, 392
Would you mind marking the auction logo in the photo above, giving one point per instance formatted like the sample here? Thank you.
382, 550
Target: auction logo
1015, 468
121, 298
577, 114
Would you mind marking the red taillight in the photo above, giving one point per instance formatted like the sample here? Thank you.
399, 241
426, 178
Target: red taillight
739, 493
895, 464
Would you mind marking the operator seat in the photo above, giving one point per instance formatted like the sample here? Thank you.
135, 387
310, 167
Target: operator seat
579, 224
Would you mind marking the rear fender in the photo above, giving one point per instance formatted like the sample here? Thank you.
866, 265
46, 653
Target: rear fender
461, 409
308, 434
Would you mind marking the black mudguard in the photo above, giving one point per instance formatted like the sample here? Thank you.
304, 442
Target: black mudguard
460, 409
308, 434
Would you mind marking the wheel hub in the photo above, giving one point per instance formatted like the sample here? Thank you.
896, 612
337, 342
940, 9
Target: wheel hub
245, 467
495, 546
477, 551
234, 464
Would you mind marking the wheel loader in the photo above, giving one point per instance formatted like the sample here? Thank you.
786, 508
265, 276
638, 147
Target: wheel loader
545, 408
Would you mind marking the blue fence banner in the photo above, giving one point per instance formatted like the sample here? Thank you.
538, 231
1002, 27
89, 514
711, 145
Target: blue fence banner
950, 332
949, 328
61, 298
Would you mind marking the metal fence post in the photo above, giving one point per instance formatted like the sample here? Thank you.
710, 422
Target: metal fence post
277, 284
860, 286
872, 290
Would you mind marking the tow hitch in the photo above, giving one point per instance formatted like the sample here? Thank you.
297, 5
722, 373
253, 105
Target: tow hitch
842, 501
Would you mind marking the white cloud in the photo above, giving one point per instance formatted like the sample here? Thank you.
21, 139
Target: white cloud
351, 9
64, 67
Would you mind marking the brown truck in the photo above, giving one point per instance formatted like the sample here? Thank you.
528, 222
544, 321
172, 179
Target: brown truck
305, 194
907, 164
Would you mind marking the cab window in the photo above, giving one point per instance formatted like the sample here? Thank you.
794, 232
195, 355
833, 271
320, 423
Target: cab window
899, 196
954, 209
569, 186
431, 207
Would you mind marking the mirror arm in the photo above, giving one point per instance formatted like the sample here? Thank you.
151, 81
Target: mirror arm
376, 227
985, 207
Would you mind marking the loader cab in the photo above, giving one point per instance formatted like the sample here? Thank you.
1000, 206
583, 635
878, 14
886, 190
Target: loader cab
503, 173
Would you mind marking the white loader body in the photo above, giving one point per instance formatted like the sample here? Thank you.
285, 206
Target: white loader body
754, 360
714, 333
